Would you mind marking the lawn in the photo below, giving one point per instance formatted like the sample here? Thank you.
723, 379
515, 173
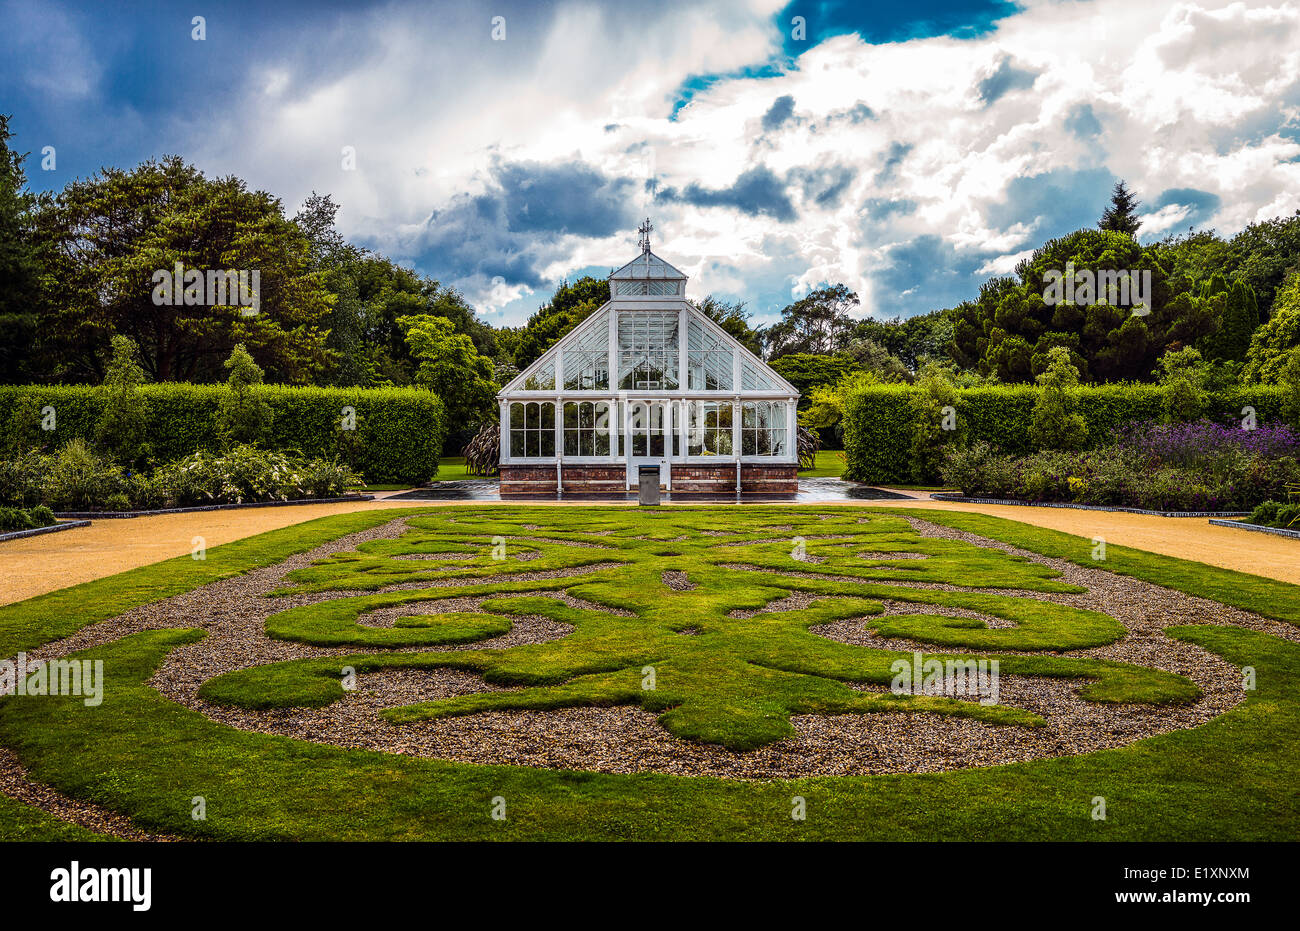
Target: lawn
830, 463
721, 676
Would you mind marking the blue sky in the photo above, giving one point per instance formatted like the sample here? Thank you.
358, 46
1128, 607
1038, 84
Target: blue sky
909, 150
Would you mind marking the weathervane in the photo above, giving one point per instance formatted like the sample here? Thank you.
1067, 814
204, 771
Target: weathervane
644, 229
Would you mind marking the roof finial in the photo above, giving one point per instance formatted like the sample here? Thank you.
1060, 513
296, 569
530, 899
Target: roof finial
645, 229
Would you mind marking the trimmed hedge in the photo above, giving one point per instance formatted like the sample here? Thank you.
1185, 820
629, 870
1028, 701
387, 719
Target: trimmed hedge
399, 431
878, 421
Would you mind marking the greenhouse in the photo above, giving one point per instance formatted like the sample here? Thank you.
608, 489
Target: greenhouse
648, 381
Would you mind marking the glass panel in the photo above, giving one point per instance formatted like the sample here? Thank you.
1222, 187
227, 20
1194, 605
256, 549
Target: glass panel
754, 377
708, 360
648, 350
586, 356
532, 433
541, 380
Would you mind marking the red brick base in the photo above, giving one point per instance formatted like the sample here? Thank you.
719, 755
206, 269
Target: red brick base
540, 481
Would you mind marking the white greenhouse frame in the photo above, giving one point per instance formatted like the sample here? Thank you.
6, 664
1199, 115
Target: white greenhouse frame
649, 423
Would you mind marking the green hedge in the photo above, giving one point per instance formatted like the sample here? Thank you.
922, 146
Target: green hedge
878, 422
399, 431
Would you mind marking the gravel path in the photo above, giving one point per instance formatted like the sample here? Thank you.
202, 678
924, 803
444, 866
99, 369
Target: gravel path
627, 739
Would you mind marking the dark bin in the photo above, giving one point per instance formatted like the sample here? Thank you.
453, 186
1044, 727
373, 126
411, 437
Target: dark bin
648, 484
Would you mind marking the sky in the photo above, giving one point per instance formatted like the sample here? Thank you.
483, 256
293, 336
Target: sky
910, 150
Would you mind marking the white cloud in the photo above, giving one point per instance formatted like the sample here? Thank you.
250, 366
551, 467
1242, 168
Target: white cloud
1184, 95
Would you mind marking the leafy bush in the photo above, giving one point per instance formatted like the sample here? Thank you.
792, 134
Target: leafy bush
247, 474
13, 519
79, 479
124, 422
243, 416
1276, 514
399, 432
20, 479
1055, 423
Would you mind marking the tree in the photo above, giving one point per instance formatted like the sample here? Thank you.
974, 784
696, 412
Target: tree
19, 267
806, 371
1273, 341
870, 356
1266, 253
1121, 215
818, 323
1235, 312
1289, 379
452, 369
103, 241
735, 320
1055, 422
124, 423
243, 416
1010, 328
914, 340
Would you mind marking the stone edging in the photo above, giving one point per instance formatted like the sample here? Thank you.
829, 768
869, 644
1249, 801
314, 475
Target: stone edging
1258, 528
949, 496
37, 531
107, 515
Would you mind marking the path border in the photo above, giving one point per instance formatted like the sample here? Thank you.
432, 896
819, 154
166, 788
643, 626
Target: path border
1258, 528
37, 531
123, 515
962, 499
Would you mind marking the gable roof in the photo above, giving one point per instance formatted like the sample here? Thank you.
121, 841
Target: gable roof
751, 365
646, 265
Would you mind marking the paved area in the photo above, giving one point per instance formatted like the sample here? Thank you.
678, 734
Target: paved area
36, 565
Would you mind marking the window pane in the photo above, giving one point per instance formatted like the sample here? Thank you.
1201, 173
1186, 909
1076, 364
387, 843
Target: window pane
517, 443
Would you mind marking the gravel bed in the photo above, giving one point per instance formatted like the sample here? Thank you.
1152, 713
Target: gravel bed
627, 739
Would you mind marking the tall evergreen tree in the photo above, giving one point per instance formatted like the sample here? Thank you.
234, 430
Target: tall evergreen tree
19, 269
1121, 215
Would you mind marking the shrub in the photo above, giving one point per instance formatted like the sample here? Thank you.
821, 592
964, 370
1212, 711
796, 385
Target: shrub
243, 416
124, 422
20, 479
247, 474
1054, 423
1276, 514
398, 438
79, 479
14, 519
934, 424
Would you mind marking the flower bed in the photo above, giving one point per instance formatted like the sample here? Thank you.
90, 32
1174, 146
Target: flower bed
76, 479
1183, 467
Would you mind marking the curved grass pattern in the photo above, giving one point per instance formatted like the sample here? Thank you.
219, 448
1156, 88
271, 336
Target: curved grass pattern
737, 680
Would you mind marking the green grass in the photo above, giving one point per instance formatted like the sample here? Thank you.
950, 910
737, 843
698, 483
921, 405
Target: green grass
735, 682
830, 463
452, 469
22, 822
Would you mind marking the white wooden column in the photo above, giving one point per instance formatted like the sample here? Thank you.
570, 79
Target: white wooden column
735, 437
792, 428
504, 452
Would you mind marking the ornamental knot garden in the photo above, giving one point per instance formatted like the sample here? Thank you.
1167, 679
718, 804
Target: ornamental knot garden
648, 381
